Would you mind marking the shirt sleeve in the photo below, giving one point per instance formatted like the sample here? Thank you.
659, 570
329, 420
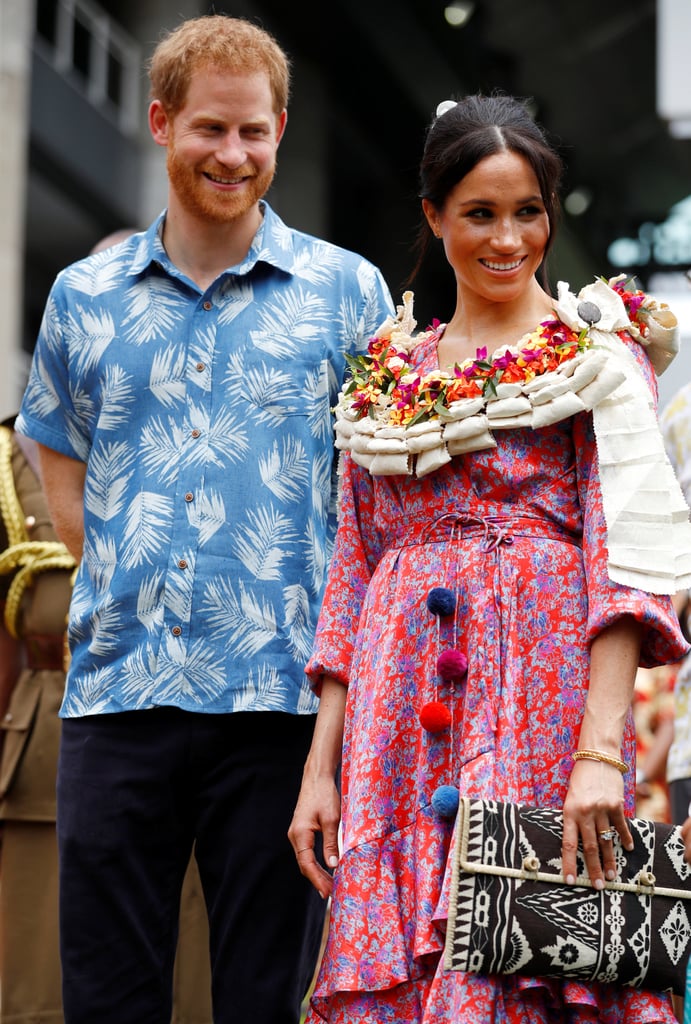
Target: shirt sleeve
49, 408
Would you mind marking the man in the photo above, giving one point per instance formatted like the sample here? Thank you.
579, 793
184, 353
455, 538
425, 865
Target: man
180, 392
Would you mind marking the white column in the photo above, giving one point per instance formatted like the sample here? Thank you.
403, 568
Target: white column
16, 33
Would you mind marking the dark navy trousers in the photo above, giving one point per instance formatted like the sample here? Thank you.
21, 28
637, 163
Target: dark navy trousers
135, 791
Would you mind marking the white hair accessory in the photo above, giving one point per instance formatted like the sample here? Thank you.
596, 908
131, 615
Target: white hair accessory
444, 106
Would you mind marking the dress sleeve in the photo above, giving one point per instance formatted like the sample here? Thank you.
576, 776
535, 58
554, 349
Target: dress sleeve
608, 601
356, 554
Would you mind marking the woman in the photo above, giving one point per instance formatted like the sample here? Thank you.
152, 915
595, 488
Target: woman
486, 608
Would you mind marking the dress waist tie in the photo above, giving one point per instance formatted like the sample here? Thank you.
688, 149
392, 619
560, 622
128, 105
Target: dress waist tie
495, 530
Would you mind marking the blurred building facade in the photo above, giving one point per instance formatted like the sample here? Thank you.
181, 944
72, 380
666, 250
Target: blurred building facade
76, 160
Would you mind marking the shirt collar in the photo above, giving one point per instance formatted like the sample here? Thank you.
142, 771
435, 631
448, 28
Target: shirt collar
273, 244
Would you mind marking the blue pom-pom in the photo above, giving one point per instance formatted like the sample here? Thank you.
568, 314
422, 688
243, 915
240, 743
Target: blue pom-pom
445, 801
441, 601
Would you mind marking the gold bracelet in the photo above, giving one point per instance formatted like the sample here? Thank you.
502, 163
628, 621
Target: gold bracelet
599, 755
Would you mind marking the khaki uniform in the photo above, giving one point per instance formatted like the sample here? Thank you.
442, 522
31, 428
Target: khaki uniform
35, 586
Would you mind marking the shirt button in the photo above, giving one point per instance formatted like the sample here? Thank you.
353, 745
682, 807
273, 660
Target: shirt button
176, 630
189, 496
196, 433
182, 564
8, 716
208, 305
200, 367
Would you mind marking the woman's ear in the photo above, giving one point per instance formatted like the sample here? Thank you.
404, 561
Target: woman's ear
431, 213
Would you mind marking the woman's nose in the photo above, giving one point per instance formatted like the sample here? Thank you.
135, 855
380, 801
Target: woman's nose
506, 235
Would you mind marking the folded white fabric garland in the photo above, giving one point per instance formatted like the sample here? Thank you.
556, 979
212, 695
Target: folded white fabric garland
649, 534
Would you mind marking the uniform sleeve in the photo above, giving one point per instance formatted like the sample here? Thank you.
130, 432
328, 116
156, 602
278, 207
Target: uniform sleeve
357, 551
608, 601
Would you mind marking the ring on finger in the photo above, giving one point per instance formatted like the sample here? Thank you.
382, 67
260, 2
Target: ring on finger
607, 833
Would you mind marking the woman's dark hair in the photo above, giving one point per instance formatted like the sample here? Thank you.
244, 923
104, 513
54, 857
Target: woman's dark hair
474, 128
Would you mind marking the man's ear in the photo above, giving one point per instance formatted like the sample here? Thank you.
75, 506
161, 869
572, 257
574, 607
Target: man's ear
281, 126
159, 123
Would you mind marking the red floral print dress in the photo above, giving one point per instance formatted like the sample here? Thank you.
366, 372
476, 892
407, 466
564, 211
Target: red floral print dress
517, 534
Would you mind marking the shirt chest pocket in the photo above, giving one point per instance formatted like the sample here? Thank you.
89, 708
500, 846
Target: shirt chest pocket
275, 389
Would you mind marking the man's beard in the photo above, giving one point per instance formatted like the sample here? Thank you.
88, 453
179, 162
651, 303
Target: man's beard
217, 207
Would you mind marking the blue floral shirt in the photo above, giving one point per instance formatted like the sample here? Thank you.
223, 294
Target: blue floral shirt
205, 423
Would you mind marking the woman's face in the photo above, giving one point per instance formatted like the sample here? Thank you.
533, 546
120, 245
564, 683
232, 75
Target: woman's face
494, 227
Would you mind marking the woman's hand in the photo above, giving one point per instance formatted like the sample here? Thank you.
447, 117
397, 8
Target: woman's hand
319, 804
594, 805
318, 810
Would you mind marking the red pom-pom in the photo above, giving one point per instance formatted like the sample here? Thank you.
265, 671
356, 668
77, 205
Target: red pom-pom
452, 665
435, 716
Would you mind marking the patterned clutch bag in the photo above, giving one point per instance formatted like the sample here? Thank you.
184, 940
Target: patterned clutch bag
511, 911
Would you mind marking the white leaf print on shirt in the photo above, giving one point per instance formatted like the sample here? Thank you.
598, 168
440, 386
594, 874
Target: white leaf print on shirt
149, 604
200, 676
97, 276
91, 691
300, 316
90, 334
45, 400
321, 483
139, 675
297, 622
316, 267
261, 543
160, 445
270, 393
246, 622
228, 439
179, 589
167, 378
100, 554
316, 401
306, 700
117, 398
105, 625
208, 514
107, 482
287, 472
315, 554
153, 310
148, 525
238, 294
264, 688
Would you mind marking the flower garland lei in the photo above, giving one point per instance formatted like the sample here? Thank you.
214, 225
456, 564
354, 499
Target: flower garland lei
385, 386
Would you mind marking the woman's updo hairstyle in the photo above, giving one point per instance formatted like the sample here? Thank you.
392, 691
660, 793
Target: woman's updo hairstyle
472, 129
